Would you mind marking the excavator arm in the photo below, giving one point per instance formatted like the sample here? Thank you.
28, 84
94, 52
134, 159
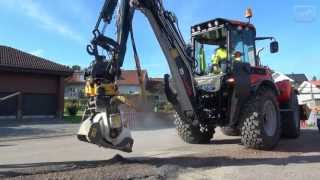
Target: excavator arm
104, 72
168, 36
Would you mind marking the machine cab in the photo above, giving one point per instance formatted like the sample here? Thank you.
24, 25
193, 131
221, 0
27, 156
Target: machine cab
237, 39
222, 48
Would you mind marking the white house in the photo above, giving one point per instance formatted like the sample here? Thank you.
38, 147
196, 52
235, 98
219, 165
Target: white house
74, 86
309, 93
129, 82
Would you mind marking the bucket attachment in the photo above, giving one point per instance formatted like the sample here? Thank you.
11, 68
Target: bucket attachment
107, 131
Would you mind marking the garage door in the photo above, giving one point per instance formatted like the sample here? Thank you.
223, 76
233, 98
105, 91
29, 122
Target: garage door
9, 106
39, 104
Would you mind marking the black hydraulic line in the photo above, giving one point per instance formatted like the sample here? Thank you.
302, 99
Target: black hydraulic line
126, 13
107, 12
137, 61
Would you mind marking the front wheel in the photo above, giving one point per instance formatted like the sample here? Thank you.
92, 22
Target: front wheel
192, 134
261, 125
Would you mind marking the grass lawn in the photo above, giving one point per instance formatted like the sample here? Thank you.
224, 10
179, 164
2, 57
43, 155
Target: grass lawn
73, 119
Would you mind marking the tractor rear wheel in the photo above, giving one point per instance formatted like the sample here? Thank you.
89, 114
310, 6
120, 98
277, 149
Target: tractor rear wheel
192, 134
291, 119
229, 131
261, 125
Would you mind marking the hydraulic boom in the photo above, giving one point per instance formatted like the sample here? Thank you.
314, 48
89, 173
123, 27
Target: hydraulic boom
104, 72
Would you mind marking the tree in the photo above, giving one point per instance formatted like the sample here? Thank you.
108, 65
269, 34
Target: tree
76, 68
314, 78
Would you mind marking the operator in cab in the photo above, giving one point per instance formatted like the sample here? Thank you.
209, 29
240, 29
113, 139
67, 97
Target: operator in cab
219, 56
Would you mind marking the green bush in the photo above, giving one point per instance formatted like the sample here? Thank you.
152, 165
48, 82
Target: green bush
168, 107
72, 108
82, 104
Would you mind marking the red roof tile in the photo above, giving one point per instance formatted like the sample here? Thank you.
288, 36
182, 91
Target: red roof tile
155, 85
130, 77
76, 78
15, 60
317, 83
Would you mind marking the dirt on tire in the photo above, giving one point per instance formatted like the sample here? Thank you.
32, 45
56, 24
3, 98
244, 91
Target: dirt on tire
192, 134
253, 133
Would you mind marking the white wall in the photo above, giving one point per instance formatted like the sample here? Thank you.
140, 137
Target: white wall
129, 89
73, 91
308, 92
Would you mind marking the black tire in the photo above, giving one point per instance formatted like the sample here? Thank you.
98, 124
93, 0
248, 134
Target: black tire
260, 117
291, 119
229, 131
192, 134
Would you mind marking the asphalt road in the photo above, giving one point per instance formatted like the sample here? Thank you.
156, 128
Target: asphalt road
160, 154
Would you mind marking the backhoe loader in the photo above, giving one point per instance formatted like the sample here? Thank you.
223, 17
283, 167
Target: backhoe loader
242, 98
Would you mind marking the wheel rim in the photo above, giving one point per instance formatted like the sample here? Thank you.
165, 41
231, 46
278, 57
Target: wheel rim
269, 118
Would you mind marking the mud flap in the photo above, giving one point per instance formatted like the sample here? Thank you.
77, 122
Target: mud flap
97, 131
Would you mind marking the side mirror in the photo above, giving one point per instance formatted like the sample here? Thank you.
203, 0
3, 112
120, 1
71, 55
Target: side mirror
274, 47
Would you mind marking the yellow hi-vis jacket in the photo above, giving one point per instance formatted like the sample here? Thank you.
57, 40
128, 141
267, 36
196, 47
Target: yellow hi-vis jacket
221, 54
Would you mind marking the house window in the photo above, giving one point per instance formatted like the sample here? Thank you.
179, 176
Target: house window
72, 90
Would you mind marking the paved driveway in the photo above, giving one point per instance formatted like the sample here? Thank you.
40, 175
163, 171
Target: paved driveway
30, 129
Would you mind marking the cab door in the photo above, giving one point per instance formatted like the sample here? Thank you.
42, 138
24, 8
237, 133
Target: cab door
241, 53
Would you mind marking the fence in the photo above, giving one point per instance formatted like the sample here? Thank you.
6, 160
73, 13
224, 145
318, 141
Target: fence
129, 116
9, 96
16, 107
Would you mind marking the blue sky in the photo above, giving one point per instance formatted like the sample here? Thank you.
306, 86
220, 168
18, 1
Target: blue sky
59, 30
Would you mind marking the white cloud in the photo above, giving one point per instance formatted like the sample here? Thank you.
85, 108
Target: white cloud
43, 19
37, 52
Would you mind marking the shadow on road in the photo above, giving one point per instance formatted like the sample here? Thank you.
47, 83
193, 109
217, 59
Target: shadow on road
306, 143
226, 141
5, 145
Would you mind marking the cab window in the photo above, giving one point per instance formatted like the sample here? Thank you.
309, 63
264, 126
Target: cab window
205, 46
249, 49
242, 41
237, 46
